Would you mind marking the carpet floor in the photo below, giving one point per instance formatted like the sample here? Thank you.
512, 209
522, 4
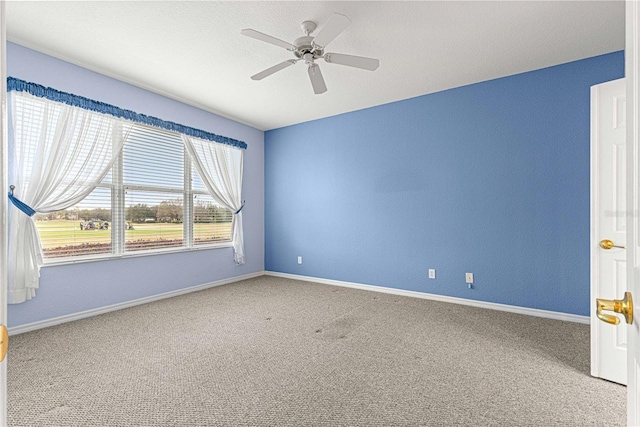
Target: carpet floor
277, 352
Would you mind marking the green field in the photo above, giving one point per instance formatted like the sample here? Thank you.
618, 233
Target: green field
65, 235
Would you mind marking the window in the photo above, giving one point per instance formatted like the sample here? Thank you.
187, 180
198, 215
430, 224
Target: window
109, 182
152, 200
82, 230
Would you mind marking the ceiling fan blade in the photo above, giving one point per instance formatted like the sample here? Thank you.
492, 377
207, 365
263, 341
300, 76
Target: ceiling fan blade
332, 29
266, 73
267, 38
352, 61
316, 79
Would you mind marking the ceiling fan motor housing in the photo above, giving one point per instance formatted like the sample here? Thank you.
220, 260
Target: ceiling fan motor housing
304, 45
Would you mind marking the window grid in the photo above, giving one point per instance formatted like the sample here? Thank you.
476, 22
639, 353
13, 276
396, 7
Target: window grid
147, 174
188, 200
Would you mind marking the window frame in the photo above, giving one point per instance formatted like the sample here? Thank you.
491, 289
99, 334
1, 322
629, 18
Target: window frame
118, 213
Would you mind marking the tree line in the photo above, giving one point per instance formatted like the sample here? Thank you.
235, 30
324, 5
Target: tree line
167, 211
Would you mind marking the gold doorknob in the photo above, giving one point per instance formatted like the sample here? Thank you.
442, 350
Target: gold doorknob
622, 306
608, 244
4, 342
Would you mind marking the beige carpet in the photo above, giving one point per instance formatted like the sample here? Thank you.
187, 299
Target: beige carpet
278, 352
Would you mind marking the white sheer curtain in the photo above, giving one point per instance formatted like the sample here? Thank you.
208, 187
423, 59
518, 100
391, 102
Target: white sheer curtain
220, 169
59, 155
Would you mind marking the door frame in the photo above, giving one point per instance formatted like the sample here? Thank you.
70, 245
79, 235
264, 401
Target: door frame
594, 231
4, 201
632, 75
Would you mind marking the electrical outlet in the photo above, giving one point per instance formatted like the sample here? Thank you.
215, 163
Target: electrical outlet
469, 277
299, 260
432, 273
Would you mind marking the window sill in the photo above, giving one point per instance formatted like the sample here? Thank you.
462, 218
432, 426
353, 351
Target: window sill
96, 258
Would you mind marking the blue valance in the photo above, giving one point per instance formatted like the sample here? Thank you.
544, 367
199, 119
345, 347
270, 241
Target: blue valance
100, 107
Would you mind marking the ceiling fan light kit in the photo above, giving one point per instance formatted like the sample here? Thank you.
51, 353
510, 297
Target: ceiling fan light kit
309, 49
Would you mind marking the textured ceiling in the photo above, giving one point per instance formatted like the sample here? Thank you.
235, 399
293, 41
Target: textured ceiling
193, 51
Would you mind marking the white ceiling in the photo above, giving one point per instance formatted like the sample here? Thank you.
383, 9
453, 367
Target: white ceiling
193, 51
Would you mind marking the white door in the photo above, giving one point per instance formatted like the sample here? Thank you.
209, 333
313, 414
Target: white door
4, 186
632, 76
632, 73
608, 225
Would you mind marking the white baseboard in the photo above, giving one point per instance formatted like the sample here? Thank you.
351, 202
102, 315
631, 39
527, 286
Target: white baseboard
490, 305
101, 310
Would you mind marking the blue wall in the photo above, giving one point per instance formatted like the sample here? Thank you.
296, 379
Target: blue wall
75, 288
491, 178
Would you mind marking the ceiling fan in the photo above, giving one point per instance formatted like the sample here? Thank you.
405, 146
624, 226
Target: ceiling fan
311, 48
